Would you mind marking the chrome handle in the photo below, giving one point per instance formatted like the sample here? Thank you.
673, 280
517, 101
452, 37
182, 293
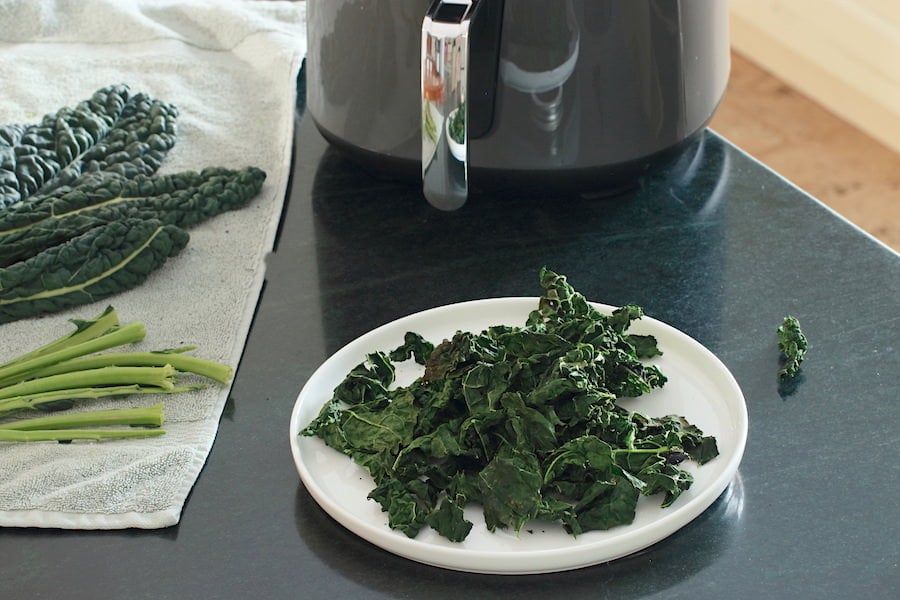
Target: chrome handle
445, 62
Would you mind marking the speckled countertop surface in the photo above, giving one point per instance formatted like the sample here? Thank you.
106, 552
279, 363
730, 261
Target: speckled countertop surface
722, 249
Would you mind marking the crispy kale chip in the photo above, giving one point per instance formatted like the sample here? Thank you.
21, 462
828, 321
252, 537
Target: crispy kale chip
522, 421
793, 345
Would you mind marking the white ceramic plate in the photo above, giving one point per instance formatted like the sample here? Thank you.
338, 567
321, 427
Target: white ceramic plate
699, 388
456, 149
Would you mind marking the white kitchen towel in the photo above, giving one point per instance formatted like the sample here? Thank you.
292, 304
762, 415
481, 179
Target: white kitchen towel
230, 68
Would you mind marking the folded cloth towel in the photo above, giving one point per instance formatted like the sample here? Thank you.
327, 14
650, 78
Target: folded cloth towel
230, 68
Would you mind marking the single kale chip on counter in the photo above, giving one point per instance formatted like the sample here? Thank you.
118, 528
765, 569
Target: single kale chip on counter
793, 345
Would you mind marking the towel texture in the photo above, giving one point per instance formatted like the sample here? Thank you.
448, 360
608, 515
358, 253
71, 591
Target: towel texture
230, 68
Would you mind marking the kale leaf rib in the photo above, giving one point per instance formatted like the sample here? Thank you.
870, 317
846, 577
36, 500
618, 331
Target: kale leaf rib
85, 331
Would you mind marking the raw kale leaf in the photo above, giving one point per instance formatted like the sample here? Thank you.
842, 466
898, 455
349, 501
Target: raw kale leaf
522, 421
97, 264
182, 199
793, 345
85, 215
114, 131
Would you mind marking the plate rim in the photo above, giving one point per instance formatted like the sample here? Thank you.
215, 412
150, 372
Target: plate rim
532, 561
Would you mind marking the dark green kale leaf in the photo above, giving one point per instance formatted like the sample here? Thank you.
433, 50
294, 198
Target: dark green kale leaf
510, 486
645, 346
449, 519
457, 125
612, 503
377, 428
84, 215
522, 421
114, 131
415, 347
97, 264
367, 382
182, 199
793, 345
409, 504
453, 358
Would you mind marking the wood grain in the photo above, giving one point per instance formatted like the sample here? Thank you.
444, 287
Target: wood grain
844, 54
841, 166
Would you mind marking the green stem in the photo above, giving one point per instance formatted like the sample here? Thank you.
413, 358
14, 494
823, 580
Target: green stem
84, 331
185, 364
149, 416
67, 435
33, 401
20, 370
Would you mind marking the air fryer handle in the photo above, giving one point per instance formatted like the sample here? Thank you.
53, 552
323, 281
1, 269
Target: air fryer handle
445, 68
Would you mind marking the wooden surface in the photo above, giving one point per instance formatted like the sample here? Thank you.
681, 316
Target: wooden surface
844, 54
847, 170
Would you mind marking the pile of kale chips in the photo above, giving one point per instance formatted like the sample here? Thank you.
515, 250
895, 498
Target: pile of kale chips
520, 420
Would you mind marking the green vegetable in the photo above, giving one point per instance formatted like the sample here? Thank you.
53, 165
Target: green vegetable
73, 426
112, 132
75, 345
59, 399
457, 126
793, 345
86, 217
160, 358
521, 420
84, 332
92, 266
83, 366
68, 435
151, 416
182, 199
158, 377
428, 124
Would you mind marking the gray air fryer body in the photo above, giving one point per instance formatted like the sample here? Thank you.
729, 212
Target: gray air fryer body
574, 94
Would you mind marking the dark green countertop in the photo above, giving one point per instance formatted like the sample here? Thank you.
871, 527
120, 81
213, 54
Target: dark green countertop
719, 247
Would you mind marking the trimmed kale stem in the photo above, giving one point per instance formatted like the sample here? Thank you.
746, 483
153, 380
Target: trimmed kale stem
186, 364
74, 367
33, 401
149, 416
19, 370
162, 377
67, 435
85, 331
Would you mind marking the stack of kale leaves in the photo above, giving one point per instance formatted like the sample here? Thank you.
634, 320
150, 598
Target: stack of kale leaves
520, 420
83, 215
